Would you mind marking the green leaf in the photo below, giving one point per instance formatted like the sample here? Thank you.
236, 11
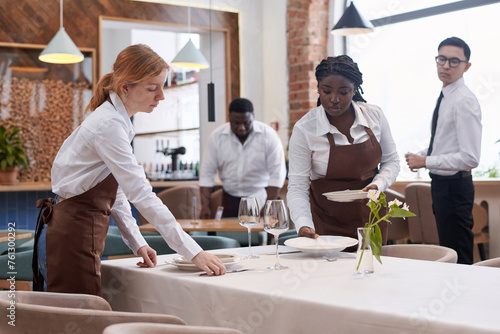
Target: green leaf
12, 150
401, 213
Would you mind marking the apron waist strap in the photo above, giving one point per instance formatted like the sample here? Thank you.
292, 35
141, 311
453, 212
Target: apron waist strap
46, 206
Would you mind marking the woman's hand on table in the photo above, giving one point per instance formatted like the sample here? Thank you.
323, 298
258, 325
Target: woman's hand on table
149, 256
308, 232
209, 263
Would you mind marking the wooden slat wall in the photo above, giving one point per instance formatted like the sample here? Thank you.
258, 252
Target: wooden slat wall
37, 21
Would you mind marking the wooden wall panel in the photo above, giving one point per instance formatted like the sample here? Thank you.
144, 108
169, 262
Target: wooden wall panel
37, 21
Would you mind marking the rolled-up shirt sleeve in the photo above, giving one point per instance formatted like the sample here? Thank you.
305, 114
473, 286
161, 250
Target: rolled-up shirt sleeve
300, 162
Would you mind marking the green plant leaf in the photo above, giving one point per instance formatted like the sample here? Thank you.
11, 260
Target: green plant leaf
401, 213
12, 150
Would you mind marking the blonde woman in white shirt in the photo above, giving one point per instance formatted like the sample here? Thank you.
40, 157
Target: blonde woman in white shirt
95, 174
344, 143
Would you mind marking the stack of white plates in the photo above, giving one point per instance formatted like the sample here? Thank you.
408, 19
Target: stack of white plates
227, 259
324, 244
346, 195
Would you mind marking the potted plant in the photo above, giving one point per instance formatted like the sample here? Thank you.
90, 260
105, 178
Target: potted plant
12, 154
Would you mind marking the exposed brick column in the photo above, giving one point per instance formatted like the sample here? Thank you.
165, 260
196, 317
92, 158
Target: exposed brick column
307, 46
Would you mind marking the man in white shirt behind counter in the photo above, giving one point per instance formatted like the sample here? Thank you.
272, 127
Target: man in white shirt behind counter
249, 157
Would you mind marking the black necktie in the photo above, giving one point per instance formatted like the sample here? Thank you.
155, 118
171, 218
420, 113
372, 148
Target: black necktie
434, 123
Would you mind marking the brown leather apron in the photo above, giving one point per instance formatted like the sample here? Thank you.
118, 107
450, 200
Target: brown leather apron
349, 167
76, 232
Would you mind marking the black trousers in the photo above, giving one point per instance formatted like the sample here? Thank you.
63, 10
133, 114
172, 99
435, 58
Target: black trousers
452, 202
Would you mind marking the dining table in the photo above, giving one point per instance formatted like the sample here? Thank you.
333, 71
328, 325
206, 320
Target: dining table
208, 225
313, 295
6, 236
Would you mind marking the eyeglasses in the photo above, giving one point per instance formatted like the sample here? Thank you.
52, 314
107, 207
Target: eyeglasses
454, 62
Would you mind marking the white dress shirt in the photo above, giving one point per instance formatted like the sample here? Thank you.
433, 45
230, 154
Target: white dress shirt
245, 170
100, 146
457, 142
309, 152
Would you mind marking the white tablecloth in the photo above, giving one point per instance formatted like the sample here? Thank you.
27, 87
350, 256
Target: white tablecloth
314, 296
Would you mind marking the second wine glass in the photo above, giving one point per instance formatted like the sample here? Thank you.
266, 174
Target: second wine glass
248, 216
276, 222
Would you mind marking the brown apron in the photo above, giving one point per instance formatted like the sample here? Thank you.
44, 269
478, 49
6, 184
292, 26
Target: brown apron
76, 232
349, 167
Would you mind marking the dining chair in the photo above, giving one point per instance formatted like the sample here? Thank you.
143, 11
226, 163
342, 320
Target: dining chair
21, 237
179, 201
423, 228
421, 252
50, 312
398, 230
290, 234
495, 262
206, 242
24, 245
257, 238
480, 223
115, 247
151, 328
24, 273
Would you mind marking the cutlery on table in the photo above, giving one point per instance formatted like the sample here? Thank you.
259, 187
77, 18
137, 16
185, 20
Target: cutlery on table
230, 271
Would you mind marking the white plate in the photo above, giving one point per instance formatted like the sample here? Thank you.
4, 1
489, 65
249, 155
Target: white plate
324, 244
346, 195
180, 262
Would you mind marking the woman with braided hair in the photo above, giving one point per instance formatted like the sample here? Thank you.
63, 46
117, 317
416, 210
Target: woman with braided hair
344, 143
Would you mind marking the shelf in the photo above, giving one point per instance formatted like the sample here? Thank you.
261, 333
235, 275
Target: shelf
46, 186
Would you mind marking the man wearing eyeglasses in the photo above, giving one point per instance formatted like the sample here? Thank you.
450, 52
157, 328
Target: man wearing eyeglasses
454, 149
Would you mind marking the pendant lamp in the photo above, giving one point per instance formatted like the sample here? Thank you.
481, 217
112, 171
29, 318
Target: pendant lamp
61, 49
352, 23
190, 56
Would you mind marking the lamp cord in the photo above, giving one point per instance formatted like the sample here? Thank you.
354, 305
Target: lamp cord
61, 12
189, 20
210, 33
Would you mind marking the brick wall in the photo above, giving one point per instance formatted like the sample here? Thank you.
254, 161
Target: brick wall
307, 46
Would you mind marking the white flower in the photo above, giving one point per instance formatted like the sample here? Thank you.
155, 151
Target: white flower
395, 201
406, 207
373, 195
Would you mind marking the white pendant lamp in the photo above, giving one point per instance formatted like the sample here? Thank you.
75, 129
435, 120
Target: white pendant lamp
190, 56
61, 49
352, 23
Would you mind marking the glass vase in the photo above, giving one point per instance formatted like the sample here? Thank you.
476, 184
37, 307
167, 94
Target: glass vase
364, 255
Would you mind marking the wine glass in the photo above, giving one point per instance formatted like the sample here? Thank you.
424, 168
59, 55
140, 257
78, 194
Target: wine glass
276, 222
248, 216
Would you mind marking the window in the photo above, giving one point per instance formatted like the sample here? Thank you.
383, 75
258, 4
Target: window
399, 71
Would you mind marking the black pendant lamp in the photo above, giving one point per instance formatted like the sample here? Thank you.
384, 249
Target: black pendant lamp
352, 23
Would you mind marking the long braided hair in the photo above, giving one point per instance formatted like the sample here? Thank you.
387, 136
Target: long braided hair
344, 66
